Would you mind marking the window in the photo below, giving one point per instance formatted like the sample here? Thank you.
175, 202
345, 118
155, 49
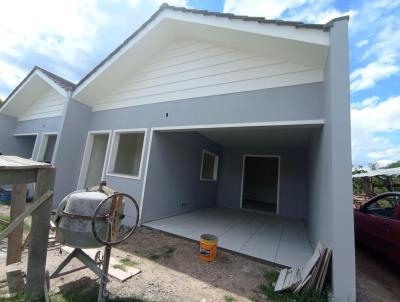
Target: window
384, 207
209, 166
127, 152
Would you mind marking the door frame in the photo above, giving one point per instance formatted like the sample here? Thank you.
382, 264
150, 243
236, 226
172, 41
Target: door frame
88, 152
243, 174
43, 146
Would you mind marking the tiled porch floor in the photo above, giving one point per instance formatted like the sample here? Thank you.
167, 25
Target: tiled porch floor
268, 237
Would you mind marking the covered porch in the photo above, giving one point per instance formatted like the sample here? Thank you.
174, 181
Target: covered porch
250, 186
268, 237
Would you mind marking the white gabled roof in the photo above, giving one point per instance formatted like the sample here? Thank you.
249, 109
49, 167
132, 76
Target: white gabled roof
33, 86
295, 41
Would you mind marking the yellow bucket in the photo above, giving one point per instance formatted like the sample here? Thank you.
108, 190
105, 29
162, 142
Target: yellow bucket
208, 247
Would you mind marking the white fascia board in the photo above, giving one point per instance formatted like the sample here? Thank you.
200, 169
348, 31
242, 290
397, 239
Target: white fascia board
120, 53
44, 78
308, 35
51, 83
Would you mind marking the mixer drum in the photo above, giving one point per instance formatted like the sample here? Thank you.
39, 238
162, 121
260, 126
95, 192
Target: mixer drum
75, 219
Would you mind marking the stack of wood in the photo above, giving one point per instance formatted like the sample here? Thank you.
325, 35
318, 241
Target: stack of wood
309, 278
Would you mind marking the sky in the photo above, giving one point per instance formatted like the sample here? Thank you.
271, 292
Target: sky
69, 37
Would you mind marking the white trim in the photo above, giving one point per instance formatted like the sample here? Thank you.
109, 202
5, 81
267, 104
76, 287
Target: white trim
35, 146
240, 125
44, 77
88, 152
113, 153
43, 146
279, 176
215, 168
51, 83
145, 176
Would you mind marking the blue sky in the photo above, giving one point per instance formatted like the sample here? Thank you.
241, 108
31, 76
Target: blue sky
69, 37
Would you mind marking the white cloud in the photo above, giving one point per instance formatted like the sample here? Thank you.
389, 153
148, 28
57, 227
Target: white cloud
312, 11
11, 75
362, 43
366, 77
267, 8
370, 123
181, 3
380, 60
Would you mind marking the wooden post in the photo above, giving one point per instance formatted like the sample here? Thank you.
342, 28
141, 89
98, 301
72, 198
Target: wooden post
15, 238
36, 272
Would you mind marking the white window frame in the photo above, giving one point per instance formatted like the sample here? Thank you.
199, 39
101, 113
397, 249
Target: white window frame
216, 162
114, 149
43, 146
87, 153
35, 146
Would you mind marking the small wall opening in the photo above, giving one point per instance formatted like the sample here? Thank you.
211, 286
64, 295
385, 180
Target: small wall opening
25, 145
97, 159
260, 183
47, 148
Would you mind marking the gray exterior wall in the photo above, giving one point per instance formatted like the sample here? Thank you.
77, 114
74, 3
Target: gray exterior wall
19, 146
173, 176
39, 126
7, 141
330, 211
253, 106
293, 180
70, 148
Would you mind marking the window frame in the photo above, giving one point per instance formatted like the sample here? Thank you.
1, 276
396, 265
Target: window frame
216, 166
370, 212
114, 150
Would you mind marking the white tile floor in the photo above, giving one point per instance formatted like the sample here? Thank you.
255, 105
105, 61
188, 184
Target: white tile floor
268, 237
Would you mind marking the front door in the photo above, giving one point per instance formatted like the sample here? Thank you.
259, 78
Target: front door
260, 184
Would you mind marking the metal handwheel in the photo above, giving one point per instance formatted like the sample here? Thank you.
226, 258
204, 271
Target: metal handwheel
114, 218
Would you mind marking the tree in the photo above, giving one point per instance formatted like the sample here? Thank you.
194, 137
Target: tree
393, 165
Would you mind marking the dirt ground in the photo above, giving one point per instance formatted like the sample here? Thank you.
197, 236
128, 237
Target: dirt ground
171, 271
377, 279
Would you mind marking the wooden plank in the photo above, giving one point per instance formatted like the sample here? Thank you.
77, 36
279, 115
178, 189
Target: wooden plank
15, 162
15, 238
15, 278
36, 272
45, 197
17, 176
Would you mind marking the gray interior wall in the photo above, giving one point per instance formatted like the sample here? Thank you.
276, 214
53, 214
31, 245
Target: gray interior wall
25, 146
7, 128
330, 210
70, 148
173, 176
293, 180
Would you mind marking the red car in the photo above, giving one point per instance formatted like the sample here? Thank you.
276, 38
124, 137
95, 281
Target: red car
377, 225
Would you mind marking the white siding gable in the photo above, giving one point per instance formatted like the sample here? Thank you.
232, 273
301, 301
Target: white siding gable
50, 104
191, 69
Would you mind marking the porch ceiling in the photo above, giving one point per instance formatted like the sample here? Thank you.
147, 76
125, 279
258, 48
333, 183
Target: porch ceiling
259, 136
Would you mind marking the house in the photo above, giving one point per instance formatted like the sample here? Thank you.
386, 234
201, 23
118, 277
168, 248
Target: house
213, 122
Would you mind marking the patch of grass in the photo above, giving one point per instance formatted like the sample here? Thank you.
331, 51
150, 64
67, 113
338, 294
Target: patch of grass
229, 299
27, 227
267, 289
128, 262
75, 295
120, 266
163, 253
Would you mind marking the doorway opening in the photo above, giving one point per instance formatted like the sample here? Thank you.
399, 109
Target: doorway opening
46, 151
94, 159
260, 183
